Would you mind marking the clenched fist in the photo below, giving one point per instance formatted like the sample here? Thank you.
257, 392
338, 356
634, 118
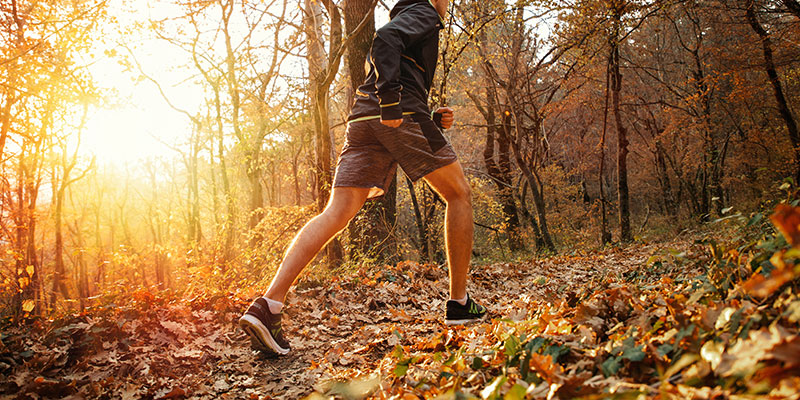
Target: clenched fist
447, 116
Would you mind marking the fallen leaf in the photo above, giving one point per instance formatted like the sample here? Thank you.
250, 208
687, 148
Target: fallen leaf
760, 286
787, 219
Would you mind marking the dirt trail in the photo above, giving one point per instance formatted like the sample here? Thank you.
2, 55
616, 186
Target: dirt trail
155, 349
346, 329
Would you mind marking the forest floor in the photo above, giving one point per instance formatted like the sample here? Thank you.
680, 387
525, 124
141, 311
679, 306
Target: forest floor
624, 322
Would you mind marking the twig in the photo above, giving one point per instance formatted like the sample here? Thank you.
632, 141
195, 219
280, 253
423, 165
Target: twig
646, 218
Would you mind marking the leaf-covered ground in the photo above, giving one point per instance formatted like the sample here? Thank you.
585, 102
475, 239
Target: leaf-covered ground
687, 319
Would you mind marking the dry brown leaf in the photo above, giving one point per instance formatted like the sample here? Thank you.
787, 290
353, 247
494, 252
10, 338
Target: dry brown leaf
175, 393
788, 351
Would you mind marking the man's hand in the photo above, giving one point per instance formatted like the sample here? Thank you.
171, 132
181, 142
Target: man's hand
447, 116
392, 123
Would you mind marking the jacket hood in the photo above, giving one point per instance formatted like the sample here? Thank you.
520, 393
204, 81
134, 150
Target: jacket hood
403, 4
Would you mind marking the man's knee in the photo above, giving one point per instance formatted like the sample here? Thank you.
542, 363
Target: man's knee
336, 219
464, 192
459, 192
343, 206
449, 181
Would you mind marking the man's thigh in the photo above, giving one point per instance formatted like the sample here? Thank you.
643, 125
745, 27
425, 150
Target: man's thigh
364, 162
346, 201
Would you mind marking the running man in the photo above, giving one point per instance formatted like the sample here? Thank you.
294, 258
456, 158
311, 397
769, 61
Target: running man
389, 124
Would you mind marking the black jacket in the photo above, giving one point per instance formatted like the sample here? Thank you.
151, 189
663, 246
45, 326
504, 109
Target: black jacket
402, 63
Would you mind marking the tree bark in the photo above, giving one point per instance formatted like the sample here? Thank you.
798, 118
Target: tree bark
421, 227
622, 139
59, 286
772, 73
500, 170
605, 235
535, 185
374, 223
83, 273
668, 200
537, 234
319, 65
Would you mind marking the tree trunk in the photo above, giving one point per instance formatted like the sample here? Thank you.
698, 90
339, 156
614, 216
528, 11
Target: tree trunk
605, 235
219, 136
622, 141
772, 73
296, 175
23, 277
251, 145
710, 179
59, 286
370, 233
317, 64
28, 191
428, 213
226, 185
82, 278
155, 231
100, 275
319, 72
5, 117
506, 192
421, 227
663, 179
11, 81
499, 170
214, 190
537, 234
196, 233
359, 45
538, 198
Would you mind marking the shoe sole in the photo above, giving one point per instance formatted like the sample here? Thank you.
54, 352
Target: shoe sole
259, 332
456, 322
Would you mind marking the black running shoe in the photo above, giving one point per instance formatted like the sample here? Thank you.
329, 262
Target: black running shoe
469, 312
264, 327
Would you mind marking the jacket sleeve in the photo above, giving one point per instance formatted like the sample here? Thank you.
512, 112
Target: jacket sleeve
390, 40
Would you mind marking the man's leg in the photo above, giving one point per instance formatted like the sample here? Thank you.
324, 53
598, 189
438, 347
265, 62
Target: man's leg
343, 205
450, 183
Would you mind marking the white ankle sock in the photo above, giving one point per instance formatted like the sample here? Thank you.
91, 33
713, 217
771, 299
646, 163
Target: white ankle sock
274, 306
463, 301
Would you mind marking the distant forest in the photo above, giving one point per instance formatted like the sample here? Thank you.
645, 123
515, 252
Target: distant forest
580, 124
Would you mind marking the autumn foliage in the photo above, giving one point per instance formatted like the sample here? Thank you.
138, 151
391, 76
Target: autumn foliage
702, 319
634, 168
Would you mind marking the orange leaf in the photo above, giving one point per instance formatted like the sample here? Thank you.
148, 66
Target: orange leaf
174, 393
787, 219
760, 286
544, 366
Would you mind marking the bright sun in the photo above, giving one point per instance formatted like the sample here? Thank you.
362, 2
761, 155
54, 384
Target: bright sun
136, 122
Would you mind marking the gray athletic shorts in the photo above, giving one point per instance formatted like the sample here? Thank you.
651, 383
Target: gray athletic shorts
372, 151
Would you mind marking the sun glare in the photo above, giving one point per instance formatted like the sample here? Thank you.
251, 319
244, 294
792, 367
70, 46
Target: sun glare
127, 134
133, 121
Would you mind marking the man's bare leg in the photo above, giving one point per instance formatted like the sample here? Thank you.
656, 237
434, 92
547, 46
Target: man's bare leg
450, 183
342, 207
